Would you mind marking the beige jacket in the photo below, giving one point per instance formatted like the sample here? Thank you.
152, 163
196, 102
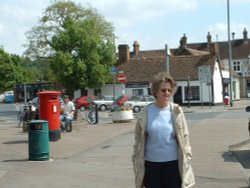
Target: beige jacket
182, 135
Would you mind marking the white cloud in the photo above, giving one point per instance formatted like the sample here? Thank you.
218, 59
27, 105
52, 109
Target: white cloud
130, 12
129, 16
231, 2
221, 30
22, 11
148, 21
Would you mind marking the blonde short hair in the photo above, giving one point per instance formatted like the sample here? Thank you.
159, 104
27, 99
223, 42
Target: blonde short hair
158, 79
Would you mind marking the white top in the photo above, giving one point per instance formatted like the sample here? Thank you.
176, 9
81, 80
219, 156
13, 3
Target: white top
161, 144
68, 108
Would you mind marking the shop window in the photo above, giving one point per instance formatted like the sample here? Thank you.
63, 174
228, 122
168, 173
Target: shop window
136, 92
194, 93
84, 92
97, 92
248, 85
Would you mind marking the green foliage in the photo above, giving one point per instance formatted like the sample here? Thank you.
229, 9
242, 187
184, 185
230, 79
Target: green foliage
10, 71
38, 70
78, 42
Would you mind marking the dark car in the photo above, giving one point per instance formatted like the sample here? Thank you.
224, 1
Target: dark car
83, 102
248, 110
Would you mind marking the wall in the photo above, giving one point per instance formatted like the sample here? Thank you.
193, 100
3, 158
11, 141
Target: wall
217, 85
204, 93
236, 86
108, 90
205, 90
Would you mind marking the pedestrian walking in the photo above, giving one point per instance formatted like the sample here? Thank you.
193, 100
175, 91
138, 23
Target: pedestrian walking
162, 150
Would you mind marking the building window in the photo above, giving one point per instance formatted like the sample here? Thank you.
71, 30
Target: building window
194, 93
98, 92
84, 92
236, 66
245, 68
248, 85
137, 92
149, 91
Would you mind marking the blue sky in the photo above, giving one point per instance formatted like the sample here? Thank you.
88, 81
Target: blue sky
152, 23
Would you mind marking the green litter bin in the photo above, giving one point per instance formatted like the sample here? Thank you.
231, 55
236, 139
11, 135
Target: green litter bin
38, 140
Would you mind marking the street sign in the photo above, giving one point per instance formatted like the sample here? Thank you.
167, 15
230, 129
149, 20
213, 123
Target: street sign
121, 78
204, 73
113, 70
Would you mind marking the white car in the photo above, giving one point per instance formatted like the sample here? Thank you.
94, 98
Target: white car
139, 102
6, 93
2, 96
104, 102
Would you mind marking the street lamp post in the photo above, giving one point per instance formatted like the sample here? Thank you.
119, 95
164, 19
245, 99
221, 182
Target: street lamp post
167, 59
229, 54
25, 93
188, 90
114, 72
245, 72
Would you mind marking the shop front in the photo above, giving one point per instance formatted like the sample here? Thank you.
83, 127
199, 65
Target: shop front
26, 92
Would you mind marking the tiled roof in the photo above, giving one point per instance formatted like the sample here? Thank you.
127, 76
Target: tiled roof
183, 66
240, 48
143, 69
187, 51
148, 54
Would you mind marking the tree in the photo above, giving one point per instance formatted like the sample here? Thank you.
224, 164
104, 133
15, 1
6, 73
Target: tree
10, 71
37, 70
79, 42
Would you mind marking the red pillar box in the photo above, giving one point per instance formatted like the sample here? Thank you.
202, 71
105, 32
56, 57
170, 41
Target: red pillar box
226, 101
49, 109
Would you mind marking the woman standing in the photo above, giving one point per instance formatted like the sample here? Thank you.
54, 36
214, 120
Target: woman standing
162, 151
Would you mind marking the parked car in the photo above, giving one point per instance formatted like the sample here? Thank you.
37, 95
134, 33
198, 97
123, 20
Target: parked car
1, 97
7, 96
34, 103
120, 100
104, 102
248, 110
139, 102
83, 102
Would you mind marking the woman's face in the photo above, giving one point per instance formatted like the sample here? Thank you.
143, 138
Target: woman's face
164, 92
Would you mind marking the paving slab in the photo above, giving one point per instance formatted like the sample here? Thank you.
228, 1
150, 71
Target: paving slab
100, 155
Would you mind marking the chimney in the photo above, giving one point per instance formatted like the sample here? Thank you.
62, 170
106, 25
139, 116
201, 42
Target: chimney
209, 38
124, 54
213, 48
136, 46
245, 34
183, 41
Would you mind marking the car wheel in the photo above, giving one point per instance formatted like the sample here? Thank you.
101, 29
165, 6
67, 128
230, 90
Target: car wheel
82, 108
136, 109
103, 107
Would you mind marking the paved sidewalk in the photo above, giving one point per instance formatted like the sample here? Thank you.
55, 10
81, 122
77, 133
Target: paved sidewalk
73, 160
214, 163
62, 170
